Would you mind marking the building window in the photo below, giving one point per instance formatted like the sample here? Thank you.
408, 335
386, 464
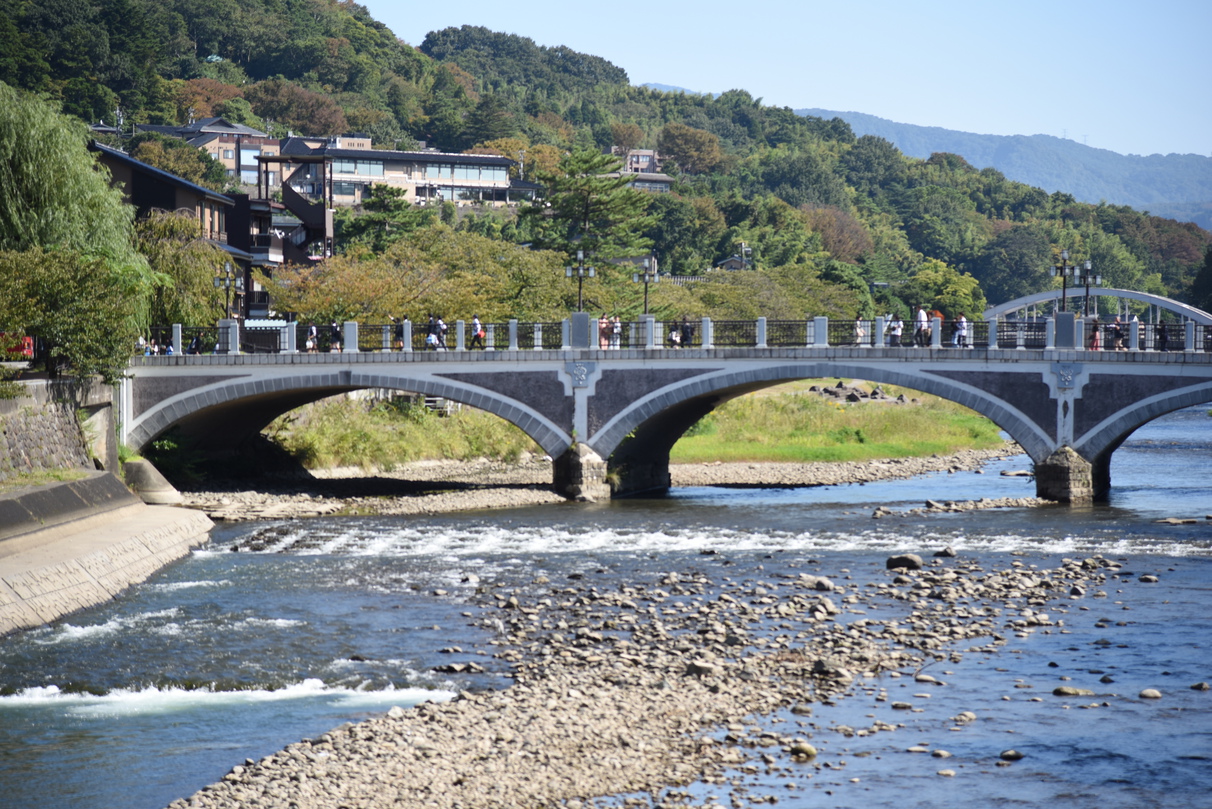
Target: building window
365, 168
228, 154
344, 189
438, 171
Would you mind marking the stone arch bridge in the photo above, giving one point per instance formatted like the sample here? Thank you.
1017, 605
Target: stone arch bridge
620, 411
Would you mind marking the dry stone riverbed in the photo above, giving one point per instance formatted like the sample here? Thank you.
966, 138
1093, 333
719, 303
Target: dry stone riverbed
433, 487
654, 692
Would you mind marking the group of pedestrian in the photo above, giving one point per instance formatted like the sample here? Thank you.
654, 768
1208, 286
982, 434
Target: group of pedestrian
1114, 335
681, 336
435, 333
610, 332
923, 329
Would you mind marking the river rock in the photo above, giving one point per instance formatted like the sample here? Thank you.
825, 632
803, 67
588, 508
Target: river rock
909, 561
1071, 691
1011, 755
1150, 693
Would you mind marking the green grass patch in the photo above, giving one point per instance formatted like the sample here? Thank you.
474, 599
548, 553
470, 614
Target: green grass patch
789, 424
782, 424
42, 478
383, 435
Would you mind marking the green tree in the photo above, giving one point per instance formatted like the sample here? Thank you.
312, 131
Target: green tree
1201, 289
385, 217
936, 285
186, 266
590, 207
626, 136
490, 120
55, 193
431, 269
78, 306
686, 233
1014, 264
178, 157
693, 150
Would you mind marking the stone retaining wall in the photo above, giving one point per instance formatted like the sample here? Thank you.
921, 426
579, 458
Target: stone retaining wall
57, 425
75, 544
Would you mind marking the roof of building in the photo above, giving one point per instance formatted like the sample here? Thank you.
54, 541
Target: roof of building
301, 148
144, 168
203, 125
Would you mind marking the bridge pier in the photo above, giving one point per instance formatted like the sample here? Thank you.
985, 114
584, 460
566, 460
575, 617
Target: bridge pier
1067, 477
643, 477
580, 474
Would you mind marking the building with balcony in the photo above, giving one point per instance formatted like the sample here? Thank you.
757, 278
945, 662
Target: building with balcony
341, 171
241, 227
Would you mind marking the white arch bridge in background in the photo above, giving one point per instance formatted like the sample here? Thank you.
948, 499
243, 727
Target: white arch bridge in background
1183, 310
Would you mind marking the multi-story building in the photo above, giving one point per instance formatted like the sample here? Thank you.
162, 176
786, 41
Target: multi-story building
236, 146
643, 168
241, 227
341, 171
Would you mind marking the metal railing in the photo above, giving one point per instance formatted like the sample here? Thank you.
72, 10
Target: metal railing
719, 334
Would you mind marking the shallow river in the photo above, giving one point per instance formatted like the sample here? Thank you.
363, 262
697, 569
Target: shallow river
232, 655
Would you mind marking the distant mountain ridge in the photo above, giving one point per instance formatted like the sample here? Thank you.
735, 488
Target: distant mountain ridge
1175, 186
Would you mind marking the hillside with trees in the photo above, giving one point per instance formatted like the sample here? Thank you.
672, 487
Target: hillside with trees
1173, 185
834, 224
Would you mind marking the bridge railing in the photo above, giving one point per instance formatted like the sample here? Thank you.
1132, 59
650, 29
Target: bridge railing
1022, 334
1011, 334
734, 333
851, 333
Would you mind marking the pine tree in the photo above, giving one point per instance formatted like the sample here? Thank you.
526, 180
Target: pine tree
590, 206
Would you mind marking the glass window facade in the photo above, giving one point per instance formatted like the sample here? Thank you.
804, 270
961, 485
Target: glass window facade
365, 168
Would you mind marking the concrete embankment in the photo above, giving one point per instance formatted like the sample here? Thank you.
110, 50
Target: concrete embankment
72, 545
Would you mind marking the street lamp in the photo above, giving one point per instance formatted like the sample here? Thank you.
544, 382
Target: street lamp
1086, 276
226, 281
581, 272
648, 276
1065, 270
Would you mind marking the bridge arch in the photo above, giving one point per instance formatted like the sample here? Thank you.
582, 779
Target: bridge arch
638, 439
228, 412
1098, 444
1184, 310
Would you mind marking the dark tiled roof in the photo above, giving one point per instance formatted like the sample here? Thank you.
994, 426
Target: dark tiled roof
144, 168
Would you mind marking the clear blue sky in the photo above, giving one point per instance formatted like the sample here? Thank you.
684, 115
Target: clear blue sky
1129, 76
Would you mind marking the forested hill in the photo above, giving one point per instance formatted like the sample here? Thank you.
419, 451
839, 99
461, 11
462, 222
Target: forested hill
833, 222
1175, 185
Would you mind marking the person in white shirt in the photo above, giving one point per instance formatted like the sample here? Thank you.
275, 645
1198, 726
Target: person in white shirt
895, 329
961, 331
921, 331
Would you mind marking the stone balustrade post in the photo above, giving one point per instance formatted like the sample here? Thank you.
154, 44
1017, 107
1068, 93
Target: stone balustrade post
820, 332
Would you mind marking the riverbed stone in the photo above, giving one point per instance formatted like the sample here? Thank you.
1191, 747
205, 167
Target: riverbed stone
907, 561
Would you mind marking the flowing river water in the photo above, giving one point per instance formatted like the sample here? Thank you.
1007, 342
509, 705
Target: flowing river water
232, 655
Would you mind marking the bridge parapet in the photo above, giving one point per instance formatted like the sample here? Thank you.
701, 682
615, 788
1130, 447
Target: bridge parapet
651, 333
